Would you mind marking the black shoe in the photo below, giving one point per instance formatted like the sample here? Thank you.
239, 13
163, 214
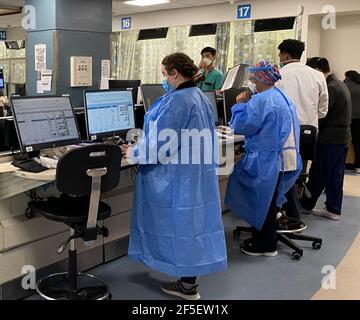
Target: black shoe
253, 251
177, 289
289, 225
247, 242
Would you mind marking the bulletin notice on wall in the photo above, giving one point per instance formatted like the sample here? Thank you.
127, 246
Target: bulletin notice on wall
40, 57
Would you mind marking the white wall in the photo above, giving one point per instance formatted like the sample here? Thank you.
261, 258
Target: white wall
342, 45
314, 36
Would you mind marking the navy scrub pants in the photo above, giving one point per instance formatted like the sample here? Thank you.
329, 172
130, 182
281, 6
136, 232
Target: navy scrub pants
327, 173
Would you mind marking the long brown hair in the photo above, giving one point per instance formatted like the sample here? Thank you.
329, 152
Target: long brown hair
182, 63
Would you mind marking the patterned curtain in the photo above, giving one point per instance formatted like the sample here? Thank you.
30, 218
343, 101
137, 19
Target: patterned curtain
222, 45
236, 43
133, 59
124, 54
243, 42
13, 64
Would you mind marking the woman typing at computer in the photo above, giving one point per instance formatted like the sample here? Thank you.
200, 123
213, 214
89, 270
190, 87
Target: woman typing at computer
176, 223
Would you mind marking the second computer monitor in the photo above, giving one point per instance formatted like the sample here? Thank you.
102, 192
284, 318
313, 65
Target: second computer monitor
211, 95
150, 93
132, 85
108, 113
44, 122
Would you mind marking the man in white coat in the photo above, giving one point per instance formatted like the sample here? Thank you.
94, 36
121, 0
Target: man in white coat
307, 88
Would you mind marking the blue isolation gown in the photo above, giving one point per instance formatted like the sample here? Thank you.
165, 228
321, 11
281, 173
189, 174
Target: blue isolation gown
266, 121
176, 225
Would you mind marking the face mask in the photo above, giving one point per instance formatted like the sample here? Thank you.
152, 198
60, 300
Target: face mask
252, 87
207, 62
167, 87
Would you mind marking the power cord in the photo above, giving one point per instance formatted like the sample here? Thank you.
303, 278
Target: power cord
30, 210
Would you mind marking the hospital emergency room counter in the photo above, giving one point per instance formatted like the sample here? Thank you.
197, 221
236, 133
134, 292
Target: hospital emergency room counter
29, 242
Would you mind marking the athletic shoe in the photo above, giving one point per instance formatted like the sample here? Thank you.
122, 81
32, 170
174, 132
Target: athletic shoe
289, 225
177, 289
326, 214
252, 251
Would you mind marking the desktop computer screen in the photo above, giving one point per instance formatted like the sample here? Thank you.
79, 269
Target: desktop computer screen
150, 93
132, 85
108, 113
211, 95
44, 122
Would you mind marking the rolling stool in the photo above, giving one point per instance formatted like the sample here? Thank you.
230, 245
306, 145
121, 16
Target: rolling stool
308, 145
81, 176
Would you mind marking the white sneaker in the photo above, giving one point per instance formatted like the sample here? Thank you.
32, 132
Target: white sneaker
304, 211
357, 170
326, 214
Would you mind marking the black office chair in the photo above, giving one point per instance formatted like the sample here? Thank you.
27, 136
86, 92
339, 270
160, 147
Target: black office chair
81, 176
308, 146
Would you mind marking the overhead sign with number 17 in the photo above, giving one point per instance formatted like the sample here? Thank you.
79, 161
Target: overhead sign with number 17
244, 11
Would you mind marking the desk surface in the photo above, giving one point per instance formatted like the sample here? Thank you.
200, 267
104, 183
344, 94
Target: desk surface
48, 175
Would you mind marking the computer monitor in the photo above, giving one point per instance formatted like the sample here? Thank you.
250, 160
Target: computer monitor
109, 113
44, 122
126, 84
2, 82
20, 89
235, 77
229, 100
150, 93
10, 139
211, 95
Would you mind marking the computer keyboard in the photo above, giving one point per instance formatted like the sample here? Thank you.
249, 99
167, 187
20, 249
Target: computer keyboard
29, 165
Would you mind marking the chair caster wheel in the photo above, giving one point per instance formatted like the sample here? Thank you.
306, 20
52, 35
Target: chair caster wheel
316, 245
296, 256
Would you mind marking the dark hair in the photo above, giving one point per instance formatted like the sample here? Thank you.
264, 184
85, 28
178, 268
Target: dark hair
182, 63
294, 48
213, 51
353, 75
319, 63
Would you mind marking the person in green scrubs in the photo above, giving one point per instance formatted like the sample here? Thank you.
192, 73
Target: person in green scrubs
212, 78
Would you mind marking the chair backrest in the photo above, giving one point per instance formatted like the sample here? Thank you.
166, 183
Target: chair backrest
308, 142
71, 173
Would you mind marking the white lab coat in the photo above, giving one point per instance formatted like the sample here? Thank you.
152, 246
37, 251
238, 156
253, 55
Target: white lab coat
307, 89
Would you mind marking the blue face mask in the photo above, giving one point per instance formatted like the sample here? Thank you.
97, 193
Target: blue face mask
167, 87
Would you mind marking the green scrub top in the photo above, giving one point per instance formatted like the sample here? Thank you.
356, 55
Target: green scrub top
213, 81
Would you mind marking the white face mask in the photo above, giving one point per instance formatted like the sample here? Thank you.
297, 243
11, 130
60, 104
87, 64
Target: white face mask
252, 87
207, 62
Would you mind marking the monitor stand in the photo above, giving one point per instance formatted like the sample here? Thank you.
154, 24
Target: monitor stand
117, 140
25, 162
27, 155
